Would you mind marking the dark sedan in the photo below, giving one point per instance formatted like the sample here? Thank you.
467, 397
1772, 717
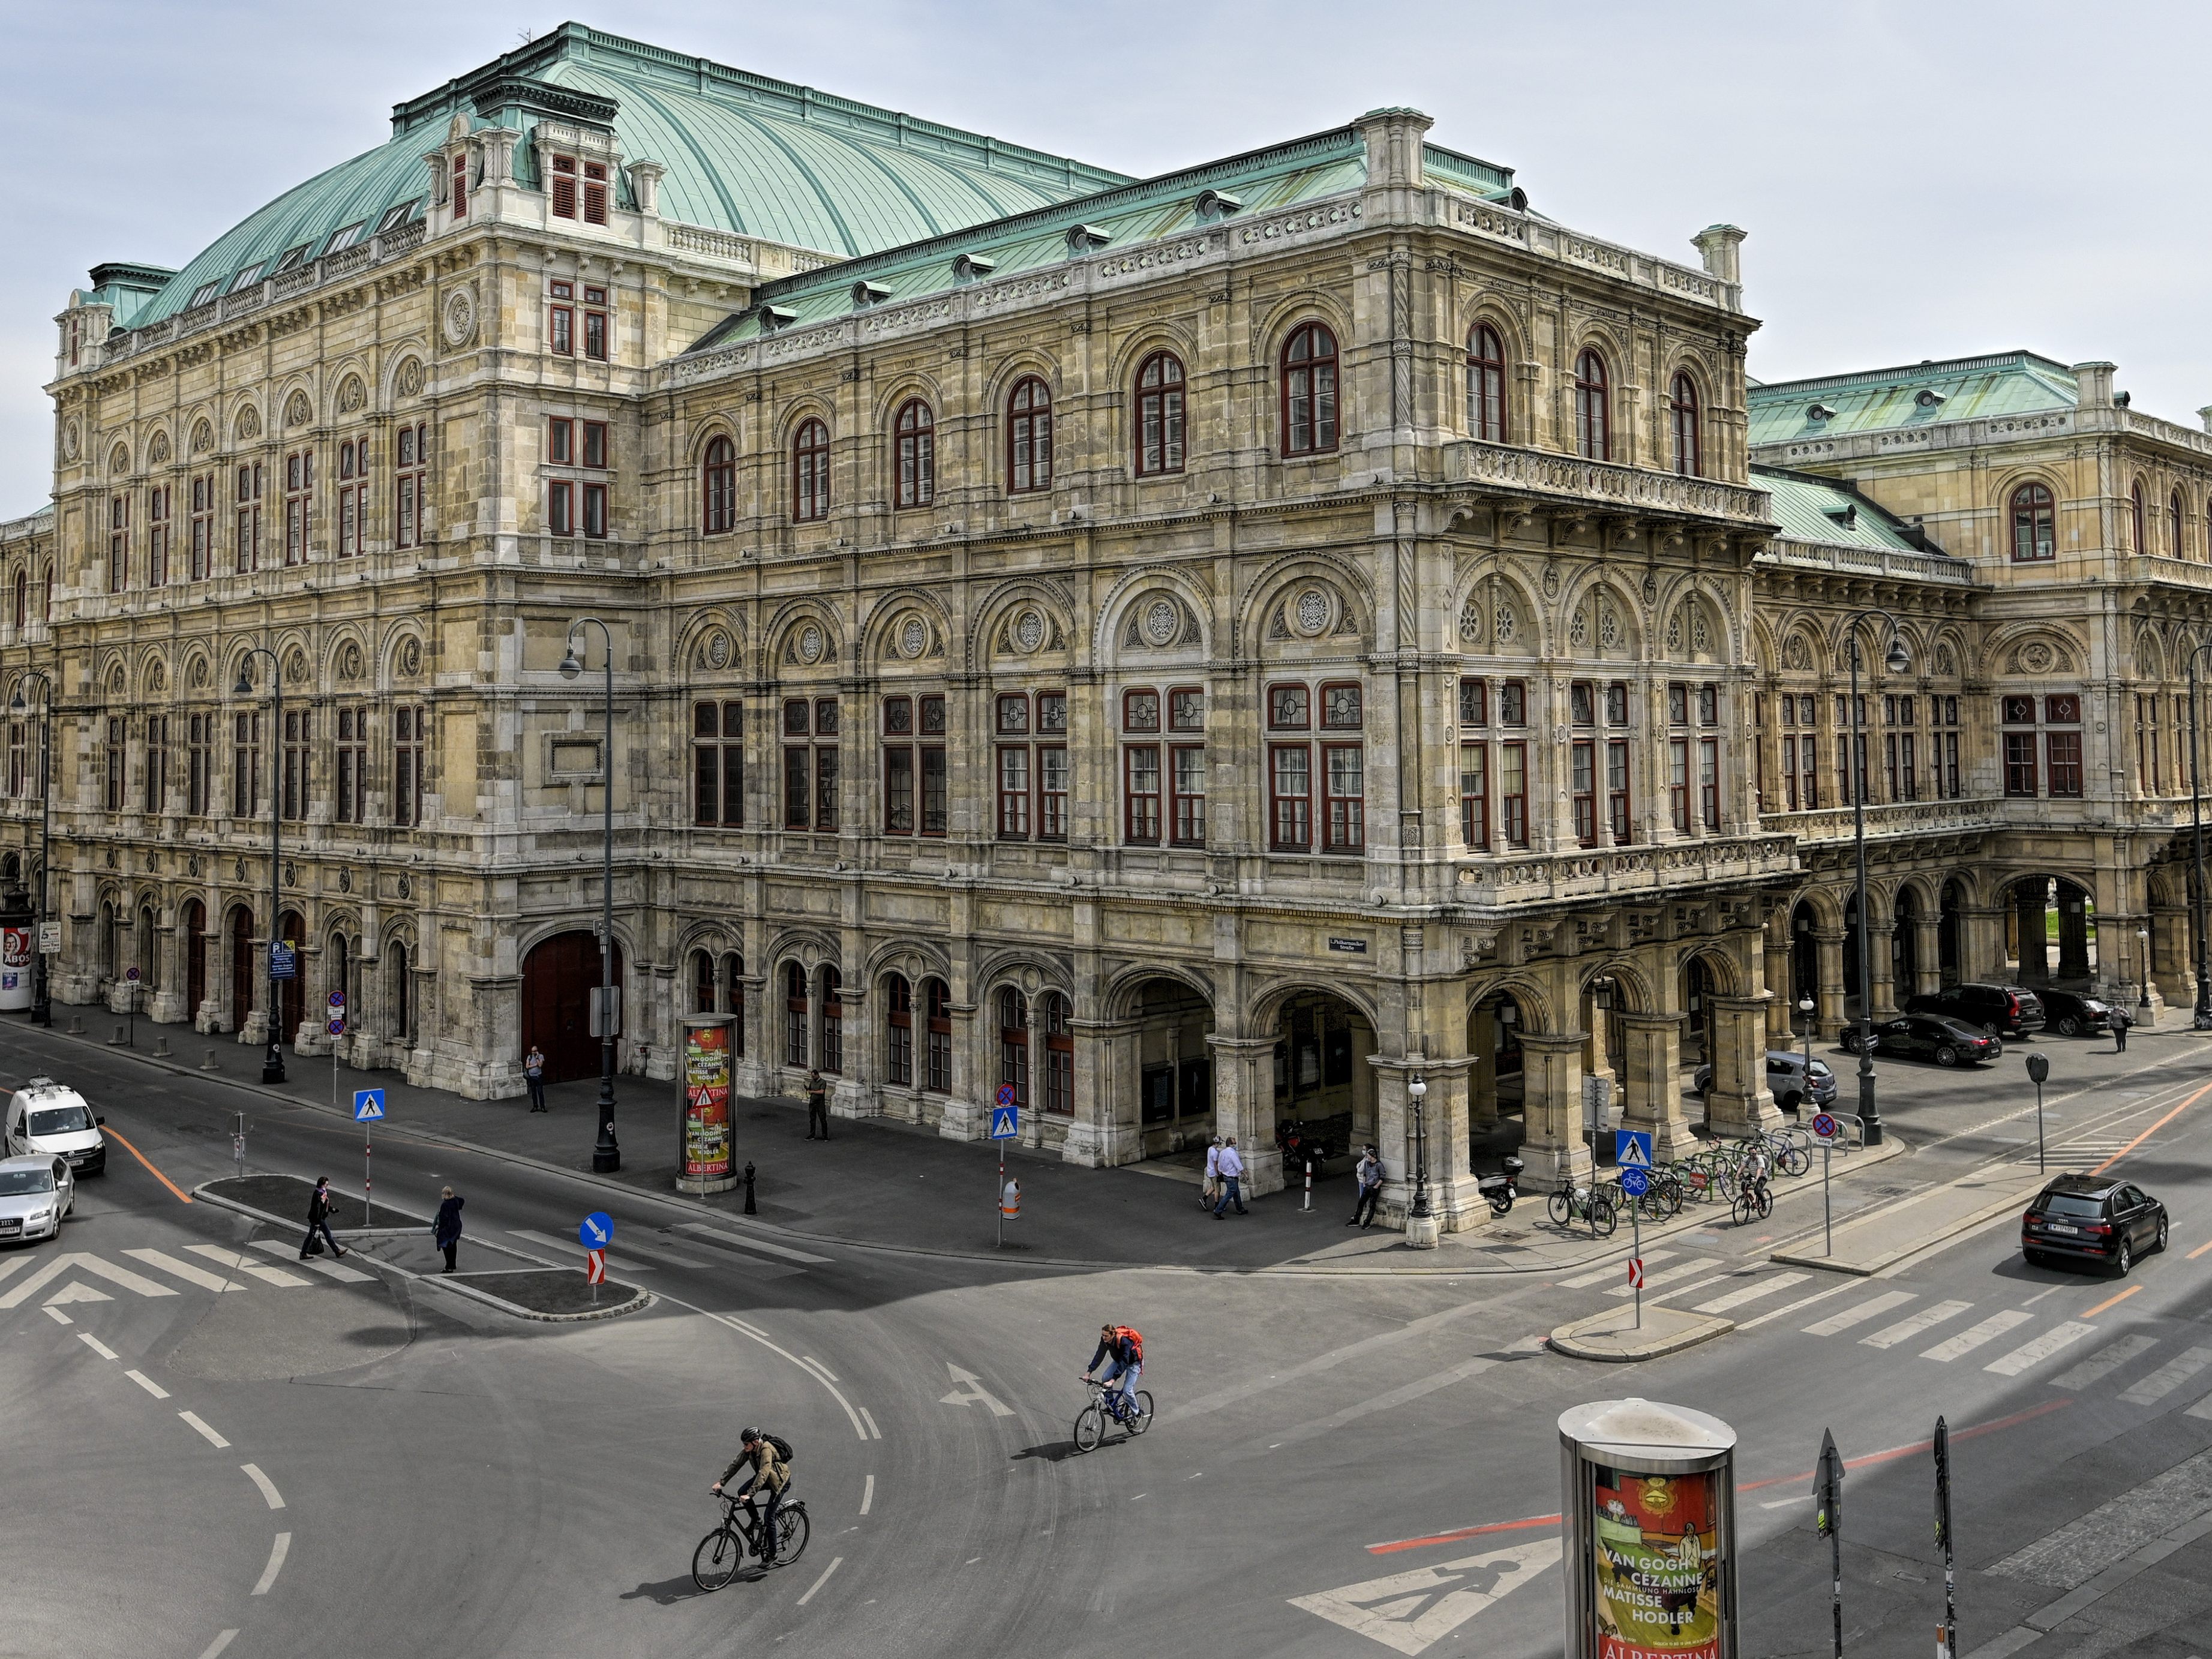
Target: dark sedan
1928, 1036
2070, 1014
2094, 1218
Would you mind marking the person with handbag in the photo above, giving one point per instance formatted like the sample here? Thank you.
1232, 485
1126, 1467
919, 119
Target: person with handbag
446, 1232
319, 1220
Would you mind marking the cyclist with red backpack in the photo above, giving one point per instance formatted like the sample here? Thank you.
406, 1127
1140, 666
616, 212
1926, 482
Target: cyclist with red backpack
1122, 1350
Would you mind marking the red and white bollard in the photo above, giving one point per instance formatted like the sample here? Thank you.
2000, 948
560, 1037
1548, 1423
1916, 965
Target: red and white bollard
1309, 1204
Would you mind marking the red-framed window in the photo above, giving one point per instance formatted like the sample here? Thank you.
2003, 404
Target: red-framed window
18, 758
1709, 782
717, 489
1028, 436
245, 764
1159, 425
1335, 767
915, 434
718, 765
596, 450
1030, 731
1014, 1043
561, 507
595, 511
1944, 746
113, 760
157, 763
1582, 781
1474, 793
246, 552
560, 320
1684, 417
936, 1011
199, 763
1055, 1016
2062, 749
118, 543
1309, 391
297, 759
350, 768
20, 612
564, 187
410, 486
899, 1031
1289, 795
1140, 794
1616, 790
2146, 746
597, 329
2033, 515
795, 1001
1593, 407
353, 497
298, 503
831, 1032
1677, 782
810, 769
914, 789
1486, 384
810, 471
201, 556
157, 536
560, 441
409, 732
703, 982
1513, 792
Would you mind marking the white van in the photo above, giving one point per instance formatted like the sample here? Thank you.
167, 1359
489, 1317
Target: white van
44, 1116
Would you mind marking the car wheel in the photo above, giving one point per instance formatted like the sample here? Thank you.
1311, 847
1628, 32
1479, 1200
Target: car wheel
2069, 1027
2160, 1245
1990, 1030
2124, 1260
1848, 1042
1946, 1055
2033, 1258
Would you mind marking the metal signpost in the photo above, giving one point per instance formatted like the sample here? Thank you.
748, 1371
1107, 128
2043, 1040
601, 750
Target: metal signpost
130, 1006
336, 1030
597, 1232
1005, 1124
2038, 1067
1631, 1151
1828, 1516
238, 1140
367, 1109
1634, 1184
1824, 1131
1946, 1639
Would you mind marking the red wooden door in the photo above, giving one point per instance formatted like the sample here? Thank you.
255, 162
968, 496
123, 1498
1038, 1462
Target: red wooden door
241, 966
194, 958
558, 977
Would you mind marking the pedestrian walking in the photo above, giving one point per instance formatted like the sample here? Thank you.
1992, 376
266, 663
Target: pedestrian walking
533, 1070
818, 1106
1212, 1189
1232, 1174
319, 1220
1368, 1174
2122, 1019
446, 1230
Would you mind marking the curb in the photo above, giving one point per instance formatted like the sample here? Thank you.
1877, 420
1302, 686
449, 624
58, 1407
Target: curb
1572, 1340
1867, 1266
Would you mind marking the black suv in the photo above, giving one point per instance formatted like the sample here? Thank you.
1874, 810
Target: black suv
2071, 1014
2094, 1219
2005, 1010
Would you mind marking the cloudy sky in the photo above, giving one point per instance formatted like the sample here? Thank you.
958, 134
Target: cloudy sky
1919, 179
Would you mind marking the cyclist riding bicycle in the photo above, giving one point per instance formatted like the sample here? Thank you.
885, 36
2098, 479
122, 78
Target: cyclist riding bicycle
1123, 1349
770, 1471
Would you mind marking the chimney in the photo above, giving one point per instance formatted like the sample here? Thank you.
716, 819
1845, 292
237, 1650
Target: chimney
2093, 384
1716, 245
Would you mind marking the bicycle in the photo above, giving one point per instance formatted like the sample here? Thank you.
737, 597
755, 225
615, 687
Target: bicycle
1582, 1204
722, 1552
1753, 1203
1133, 1413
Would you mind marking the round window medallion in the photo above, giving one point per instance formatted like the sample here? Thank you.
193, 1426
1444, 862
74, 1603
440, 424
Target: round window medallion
718, 651
68, 441
1163, 621
2035, 658
1312, 611
460, 317
810, 643
913, 637
410, 657
403, 887
1029, 630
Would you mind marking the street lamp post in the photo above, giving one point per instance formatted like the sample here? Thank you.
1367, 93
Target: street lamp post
42, 1006
606, 1156
2203, 1021
2142, 991
272, 1063
1806, 1006
1854, 769
1416, 1090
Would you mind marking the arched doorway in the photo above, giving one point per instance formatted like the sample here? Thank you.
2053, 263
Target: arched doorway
195, 958
292, 930
1322, 1079
1174, 1066
242, 969
1905, 945
1851, 987
2043, 911
558, 977
1698, 1011
1948, 903
1493, 1038
337, 981
401, 991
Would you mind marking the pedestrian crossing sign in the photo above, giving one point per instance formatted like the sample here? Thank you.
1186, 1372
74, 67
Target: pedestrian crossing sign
367, 1105
1006, 1122
1632, 1148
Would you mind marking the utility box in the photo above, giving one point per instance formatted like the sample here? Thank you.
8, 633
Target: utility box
1648, 1507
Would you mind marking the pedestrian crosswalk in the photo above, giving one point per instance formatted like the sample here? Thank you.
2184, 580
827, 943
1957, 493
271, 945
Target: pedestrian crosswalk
1914, 1322
69, 1276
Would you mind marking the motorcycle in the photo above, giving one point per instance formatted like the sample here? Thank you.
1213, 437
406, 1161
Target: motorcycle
1503, 1188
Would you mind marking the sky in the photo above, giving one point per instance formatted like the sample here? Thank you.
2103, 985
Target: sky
1917, 180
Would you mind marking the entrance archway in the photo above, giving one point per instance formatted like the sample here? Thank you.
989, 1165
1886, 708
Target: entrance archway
1698, 1011
1905, 945
558, 977
1495, 1086
1948, 903
195, 958
292, 931
242, 969
2043, 911
1174, 1066
1322, 1078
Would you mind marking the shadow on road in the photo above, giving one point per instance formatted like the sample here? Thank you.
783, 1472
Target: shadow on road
1056, 1451
668, 1592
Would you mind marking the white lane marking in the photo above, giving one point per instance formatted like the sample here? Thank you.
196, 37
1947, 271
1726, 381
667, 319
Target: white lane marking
2028, 1353
1784, 1311
868, 1495
874, 1433
213, 1438
836, 1561
54, 1267
1683, 1269
78, 1291
150, 1385
974, 1395
183, 1270
12, 1266
2167, 1377
1974, 1336
1753, 1292
59, 1317
218, 1645
808, 1359
1693, 1286
97, 1345
1911, 1326
747, 1241
268, 1493
1406, 1612
277, 1551
1874, 1307
1781, 1503
569, 1246
2103, 1362
766, 1342
2202, 1408
315, 1264
1383, 1402
665, 1258
1612, 1272
261, 1271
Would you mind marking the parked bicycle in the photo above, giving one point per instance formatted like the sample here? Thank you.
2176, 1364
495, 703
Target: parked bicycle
723, 1550
1109, 1404
1588, 1204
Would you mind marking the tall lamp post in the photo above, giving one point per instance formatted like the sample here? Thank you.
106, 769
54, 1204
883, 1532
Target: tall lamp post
1855, 768
1417, 1090
272, 1063
606, 1156
2142, 991
2203, 1021
42, 1006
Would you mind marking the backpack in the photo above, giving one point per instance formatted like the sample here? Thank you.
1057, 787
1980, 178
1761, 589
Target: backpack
1136, 1341
783, 1452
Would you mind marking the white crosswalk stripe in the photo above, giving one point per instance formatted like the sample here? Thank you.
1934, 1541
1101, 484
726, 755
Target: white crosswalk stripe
55, 1266
183, 1270
1873, 1308
1765, 1287
2167, 1377
315, 1264
1682, 1269
1927, 1319
2103, 1362
2051, 1342
261, 1271
241, 1274
1974, 1336
1613, 1272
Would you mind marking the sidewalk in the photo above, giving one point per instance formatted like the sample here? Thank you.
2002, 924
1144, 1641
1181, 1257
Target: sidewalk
890, 1185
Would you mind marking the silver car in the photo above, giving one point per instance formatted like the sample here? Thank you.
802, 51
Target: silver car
35, 1192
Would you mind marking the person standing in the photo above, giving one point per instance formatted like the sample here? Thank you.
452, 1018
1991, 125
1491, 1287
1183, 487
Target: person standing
446, 1232
1212, 1190
1369, 1177
818, 1106
533, 1070
2122, 1019
319, 1220
1232, 1174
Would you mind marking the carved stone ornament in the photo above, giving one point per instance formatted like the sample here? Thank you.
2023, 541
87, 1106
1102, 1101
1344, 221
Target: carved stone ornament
1609, 626
410, 657
1578, 628
717, 652
193, 865
351, 395
1650, 588
345, 881
810, 643
349, 662
1163, 621
298, 411
405, 887
1028, 631
1946, 664
295, 669
1797, 654
1470, 624
1551, 581
1311, 611
249, 423
196, 674
241, 870
409, 381
110, 858
2033, 658
460, 317
1508, 624
913, 637
157, 449
68, 441
203, 438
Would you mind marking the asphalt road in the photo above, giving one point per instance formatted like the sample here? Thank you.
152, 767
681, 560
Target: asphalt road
455, 1481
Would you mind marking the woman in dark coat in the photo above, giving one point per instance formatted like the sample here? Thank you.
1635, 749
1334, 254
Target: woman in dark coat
446, 1232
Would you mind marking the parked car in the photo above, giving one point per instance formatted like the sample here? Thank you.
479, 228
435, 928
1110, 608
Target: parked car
2002, 1011
2071, 1014
1928, 1036
35, 1192
45, 1116
1785, 1080
2094, 1218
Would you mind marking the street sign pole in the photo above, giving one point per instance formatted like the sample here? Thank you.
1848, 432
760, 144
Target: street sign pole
1827, 1215
1636, 1237
1000, 1200
1946, 1639
367, 1107
1828, 1498
2038, 1067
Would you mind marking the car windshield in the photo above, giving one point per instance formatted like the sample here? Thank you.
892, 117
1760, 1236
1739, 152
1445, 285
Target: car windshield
2072, 1203
13, 1181
1820, 1069
60, 1121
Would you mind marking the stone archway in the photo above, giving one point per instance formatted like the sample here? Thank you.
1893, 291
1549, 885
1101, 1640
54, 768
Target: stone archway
1170, 1060
558, 977
1323, 1082
2043, 911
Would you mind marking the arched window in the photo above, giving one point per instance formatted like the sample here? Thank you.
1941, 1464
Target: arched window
794, 1014
1593, 408
1486, 384
1059, 1055
937, 1008
1159, 415
702, 983
917, 454
809, 472
403, 1027
1029, 437
899, 1031
1014, 1044
2034, 525
1309, 391
2136, 523
46, 593
22, 613
2173, 525
1689, 460
833, 1022
719, 489
733, 991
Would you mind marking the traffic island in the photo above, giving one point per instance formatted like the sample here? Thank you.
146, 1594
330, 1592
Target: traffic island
1614, 1337
282, 1201
555, 1295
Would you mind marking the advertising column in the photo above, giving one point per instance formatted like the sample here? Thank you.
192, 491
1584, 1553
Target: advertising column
1649, 1507
15, 943
707, 1157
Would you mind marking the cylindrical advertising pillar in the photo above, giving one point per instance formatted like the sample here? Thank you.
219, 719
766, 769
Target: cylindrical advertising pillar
1648, 1504
15, 942
707, 1151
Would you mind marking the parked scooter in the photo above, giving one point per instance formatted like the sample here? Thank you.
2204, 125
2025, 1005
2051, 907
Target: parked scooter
1503, 1188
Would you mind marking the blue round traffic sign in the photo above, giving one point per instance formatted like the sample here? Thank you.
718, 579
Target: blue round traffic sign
597, 1230
1635, 1182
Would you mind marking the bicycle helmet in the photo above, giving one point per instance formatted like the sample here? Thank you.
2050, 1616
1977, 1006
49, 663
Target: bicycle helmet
748, 1435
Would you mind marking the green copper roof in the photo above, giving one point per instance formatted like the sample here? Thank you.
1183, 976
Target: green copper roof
1810, 509
744, 153
1923, 394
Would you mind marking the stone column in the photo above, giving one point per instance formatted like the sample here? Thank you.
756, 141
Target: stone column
1482, 1094
2074, 945
967, 1114
1881, 969
1551, 1083
1107, 1129
1927, 955
1453, 1200
1828, 969
1244, 1106
1654, 1094
1738, 1102
854, 1092
1780, 1014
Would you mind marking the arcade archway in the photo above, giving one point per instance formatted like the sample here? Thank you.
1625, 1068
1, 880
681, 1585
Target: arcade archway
558, 977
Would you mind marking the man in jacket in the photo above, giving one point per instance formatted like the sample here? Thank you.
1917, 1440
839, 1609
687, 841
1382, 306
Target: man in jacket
533, 1073
1370, 1177
771, 1472
1232, 1174
1122, 1352
319, 1220
818, 1106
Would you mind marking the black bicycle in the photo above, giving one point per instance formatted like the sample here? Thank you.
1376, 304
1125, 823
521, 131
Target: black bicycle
723, 1550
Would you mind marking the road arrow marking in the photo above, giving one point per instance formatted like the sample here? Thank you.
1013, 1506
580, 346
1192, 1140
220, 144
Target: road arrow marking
974, 1395
55, 1266
1409, 1612
78, 1291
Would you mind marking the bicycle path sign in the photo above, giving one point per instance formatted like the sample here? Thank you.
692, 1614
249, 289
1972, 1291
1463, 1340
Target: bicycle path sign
1635, 1181
1631, 1149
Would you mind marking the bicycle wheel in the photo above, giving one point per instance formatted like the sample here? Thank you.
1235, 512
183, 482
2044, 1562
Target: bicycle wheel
1603, 1217
1143, 1419
1794, 1160
1090, 1427
1765, 1202
1670, 1194
1744, 1209
1559, 1207
791, 1532
714, 1562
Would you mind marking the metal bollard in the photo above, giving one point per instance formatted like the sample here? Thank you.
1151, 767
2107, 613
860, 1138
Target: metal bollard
161, 1048
209, 1065
751, 1209
76, 1025
1309, 1203
116, 1041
